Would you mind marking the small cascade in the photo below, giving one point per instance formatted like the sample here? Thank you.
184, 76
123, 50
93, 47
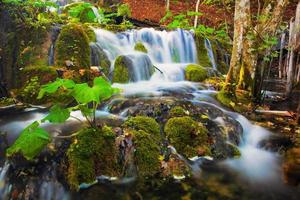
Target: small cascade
256, 164
50, 188
4, 186
210, 53
95, 54
54, 34
141, 67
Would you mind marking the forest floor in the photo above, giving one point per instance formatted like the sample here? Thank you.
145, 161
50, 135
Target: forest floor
212, 15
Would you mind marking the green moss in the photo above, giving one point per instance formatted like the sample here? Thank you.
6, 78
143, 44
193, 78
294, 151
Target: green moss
93, 152
146, 139
46, 74
90, 33
29, 92
4, 101
147, 124
147, 153
73, 45
226, 99
121, 73
202, 53
186, 135
177, 111
140, 47
195, 73
234, 150
239, 101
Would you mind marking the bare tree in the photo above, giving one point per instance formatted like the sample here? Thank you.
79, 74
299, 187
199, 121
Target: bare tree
196, 17
168, 5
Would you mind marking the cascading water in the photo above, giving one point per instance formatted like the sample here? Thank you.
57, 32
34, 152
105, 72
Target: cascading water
210, 53
4, 186
170, 52
164, 50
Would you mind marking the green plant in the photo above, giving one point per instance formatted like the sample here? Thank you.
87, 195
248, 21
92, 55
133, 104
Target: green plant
87, 99
30, 91
124, 10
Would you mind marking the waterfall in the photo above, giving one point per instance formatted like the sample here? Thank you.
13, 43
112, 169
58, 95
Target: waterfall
165, 50
210, 53
54, 35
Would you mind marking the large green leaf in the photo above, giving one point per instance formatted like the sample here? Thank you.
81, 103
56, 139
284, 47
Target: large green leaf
102, 88
84, 94
57, 115
51, 88
31, 142
100, 91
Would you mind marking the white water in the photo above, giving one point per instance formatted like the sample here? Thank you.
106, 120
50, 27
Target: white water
170, 52
4, 186
210, 53
256, 164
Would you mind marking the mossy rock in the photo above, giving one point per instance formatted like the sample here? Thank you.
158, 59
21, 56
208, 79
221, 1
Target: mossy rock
147, 124
147, 153
124, 68
178, 111
29, 92
140, 47
196, 73
233, 150
203, 58
73, 45
121, 71
146, 140
5, 101
92, 153
46, 74
35, 52
90, 33
186, 135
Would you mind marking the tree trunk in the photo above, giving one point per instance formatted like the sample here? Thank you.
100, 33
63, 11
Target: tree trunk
282, 41
196, 17
290, 61
168, 6
240, 18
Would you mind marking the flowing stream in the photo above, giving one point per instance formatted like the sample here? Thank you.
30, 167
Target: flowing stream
170, 52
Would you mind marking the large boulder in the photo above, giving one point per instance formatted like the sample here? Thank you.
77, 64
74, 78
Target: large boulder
132, 68
187, 136
145, 134
73, 45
